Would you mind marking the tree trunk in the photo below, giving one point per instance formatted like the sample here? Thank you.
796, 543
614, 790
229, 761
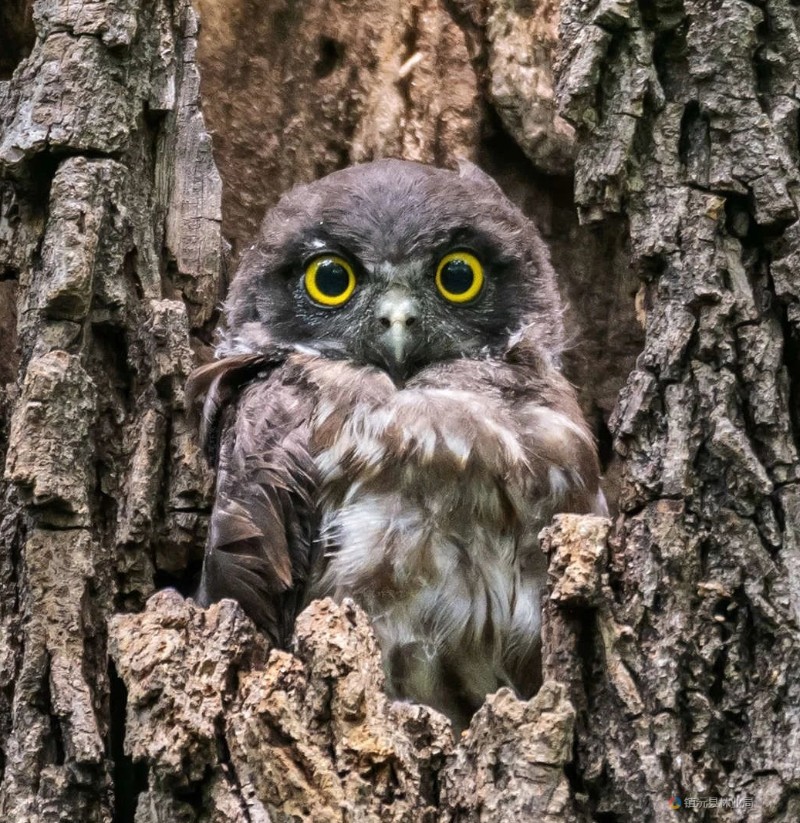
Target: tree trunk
670, 641
686, 672
110, 257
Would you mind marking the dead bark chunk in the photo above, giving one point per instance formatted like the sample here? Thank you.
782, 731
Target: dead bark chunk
76, 100
77, 238
521, 49
311, 737
576, 545
180, 664
49, 447
510, 764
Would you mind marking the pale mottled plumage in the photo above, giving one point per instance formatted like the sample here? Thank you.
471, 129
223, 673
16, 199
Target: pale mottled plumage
413, 476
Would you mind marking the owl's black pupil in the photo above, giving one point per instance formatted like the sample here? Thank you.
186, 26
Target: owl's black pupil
457, 276
332, 278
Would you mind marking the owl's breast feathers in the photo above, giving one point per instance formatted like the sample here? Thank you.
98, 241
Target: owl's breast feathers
423, 503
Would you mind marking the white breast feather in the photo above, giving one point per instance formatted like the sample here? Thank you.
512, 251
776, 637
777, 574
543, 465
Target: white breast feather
427, 558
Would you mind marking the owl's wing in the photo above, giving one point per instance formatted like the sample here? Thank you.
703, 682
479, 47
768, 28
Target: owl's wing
263, 523
214, 387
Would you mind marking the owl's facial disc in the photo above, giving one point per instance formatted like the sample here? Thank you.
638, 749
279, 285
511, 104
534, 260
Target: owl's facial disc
396, 316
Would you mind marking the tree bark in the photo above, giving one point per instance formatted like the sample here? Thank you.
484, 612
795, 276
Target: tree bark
687, 123
670, 645
110, 256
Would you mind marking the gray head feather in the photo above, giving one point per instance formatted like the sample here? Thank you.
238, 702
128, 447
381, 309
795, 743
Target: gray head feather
394, 221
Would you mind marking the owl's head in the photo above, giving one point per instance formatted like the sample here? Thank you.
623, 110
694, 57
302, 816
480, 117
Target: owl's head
397, 264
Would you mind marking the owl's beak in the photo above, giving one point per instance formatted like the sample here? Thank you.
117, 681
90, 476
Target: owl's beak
397, 315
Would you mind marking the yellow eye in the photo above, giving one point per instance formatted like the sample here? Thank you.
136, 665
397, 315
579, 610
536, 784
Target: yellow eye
459, 277
329, 280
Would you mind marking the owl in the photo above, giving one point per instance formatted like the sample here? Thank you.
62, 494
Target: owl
389, 423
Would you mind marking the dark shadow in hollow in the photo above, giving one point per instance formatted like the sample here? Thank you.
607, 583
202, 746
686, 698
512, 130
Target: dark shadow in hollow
17, 34
130, 778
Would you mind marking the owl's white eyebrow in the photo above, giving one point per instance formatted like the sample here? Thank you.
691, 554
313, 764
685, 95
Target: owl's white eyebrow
398, 272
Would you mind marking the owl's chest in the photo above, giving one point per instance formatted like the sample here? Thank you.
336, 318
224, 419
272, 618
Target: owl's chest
428, 513
421, 461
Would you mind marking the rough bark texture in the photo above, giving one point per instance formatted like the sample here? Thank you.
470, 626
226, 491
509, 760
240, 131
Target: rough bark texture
670, 647
110, 253
238, 732
687, 122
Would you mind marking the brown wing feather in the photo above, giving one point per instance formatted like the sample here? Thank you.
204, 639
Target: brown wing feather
215, 385
263, 523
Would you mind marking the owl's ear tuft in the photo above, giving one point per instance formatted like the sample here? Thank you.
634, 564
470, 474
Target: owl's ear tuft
468, 171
